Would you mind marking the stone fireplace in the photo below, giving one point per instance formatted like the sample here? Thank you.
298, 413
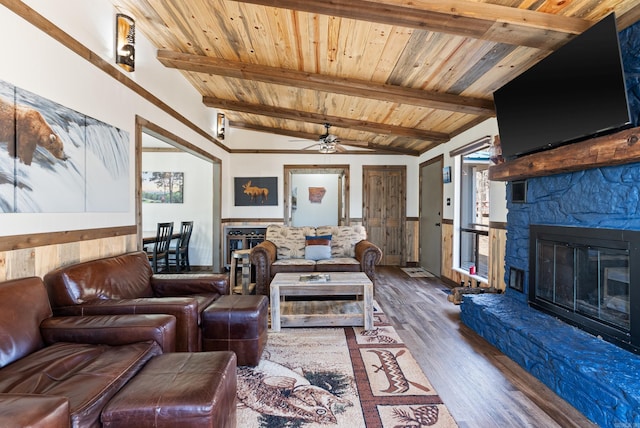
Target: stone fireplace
581, 219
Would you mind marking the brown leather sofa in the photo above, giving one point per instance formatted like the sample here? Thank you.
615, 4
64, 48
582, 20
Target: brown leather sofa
125, 284
62, 371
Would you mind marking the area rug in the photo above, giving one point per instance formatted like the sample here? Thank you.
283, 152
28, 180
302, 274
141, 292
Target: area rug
417, 272
340, 377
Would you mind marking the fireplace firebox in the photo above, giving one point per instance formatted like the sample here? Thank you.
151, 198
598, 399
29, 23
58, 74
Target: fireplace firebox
588, 277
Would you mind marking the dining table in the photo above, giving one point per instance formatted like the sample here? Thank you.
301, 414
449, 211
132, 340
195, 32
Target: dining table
150, 237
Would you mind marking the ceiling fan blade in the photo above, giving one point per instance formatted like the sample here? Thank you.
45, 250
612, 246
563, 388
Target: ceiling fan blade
354, 143
308, 147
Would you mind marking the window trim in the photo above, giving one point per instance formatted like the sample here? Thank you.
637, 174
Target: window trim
458, 154
474, 146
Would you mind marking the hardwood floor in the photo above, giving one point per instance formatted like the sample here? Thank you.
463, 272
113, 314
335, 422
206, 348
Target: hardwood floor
480, 385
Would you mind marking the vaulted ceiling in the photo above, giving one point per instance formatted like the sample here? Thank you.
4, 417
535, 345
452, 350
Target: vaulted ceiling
394, 76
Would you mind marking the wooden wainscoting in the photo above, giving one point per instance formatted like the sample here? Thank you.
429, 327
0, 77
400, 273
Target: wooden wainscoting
446, 272
412, 250
35, 255
497, 246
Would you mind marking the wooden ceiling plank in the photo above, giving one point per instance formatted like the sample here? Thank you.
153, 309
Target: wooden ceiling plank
320, 82
465, 18
486, 63
290, 114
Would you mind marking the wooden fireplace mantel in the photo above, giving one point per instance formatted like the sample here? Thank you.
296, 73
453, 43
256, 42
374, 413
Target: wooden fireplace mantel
614, 149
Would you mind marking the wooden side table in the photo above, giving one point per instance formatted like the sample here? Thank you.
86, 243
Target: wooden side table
246, 287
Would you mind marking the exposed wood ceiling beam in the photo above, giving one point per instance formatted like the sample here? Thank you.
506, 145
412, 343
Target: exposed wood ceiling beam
260, 128
291, 114
319, 82
501, 24
314, 137
628, 18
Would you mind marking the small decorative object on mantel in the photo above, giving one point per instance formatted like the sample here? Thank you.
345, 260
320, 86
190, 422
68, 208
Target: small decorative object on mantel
495, 151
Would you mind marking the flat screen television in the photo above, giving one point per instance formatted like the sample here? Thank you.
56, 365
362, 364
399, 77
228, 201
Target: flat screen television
576, 92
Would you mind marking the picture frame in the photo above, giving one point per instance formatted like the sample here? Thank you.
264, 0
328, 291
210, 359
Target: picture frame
255, 191
163, 187
446, 174
83, 168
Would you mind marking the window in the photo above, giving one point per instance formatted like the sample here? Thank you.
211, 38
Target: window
474, 207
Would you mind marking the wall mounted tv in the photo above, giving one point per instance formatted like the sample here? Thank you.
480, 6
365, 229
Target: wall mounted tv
574, 93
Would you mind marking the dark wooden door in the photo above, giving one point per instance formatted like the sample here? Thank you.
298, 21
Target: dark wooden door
384, 210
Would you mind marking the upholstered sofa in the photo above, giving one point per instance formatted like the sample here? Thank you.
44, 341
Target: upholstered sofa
313, 249
62, 371
126, 284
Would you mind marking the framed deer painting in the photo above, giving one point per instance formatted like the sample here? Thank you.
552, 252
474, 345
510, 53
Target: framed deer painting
255, 191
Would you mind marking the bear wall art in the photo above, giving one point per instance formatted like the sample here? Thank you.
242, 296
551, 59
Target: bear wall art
55, 159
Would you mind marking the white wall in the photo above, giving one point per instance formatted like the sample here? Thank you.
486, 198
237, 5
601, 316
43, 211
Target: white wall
34, 61
196, 207
272, 165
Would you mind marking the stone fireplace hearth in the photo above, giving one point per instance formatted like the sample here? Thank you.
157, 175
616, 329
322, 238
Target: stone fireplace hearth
598, 378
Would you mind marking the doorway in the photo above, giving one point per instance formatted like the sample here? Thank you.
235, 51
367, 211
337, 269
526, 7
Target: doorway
384, 210
201, 175
430, 258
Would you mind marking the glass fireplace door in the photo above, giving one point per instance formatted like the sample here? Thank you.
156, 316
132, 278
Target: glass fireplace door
587, 280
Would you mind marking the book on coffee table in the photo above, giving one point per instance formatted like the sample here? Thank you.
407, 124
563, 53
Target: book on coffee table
315, 277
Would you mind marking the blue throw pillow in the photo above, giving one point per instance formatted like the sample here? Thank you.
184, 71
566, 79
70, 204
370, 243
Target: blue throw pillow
317, 247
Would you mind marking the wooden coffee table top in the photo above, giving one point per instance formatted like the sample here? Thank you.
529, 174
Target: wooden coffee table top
336, 278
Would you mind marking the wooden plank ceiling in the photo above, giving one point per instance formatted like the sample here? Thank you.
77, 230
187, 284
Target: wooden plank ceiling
392, 76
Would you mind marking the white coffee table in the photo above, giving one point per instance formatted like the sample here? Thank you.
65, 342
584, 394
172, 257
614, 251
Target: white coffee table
314, 312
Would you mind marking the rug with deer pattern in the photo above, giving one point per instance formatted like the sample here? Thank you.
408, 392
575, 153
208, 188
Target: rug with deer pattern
340, 377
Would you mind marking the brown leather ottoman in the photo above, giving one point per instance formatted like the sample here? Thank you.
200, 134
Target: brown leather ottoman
237, 323
182, 389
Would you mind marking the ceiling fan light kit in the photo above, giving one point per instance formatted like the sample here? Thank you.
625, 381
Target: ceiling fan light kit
327, 147
327, 143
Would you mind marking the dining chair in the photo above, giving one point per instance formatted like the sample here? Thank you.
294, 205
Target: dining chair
160, 253
179, 255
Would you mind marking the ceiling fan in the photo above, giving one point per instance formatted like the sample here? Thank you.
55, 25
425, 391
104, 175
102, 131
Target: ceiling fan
327, 143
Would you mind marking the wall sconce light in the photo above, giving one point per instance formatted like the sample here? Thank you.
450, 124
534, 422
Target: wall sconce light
220, 126
125, 42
